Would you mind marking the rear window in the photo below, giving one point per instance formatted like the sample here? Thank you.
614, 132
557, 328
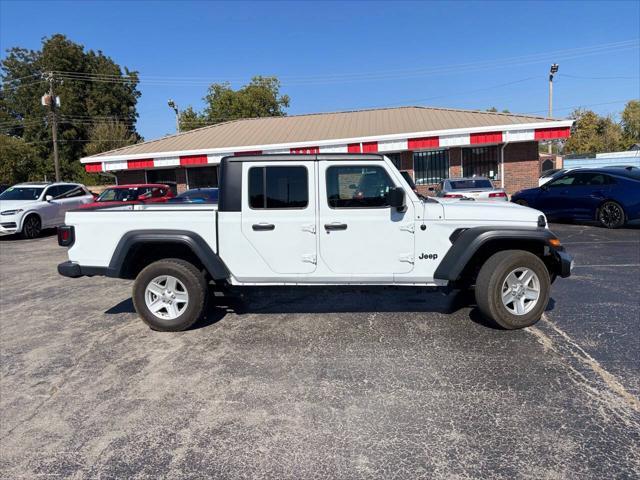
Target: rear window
278, 187
467, 184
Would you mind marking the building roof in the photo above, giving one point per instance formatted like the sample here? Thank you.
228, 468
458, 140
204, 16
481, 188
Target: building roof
323, 127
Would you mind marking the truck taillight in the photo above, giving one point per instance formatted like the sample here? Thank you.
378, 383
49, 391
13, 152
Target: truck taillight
497, 195
66, 235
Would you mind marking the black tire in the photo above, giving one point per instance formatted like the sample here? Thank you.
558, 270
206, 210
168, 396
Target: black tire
611, 215
31, 226
489, 288
195, 285
524, 203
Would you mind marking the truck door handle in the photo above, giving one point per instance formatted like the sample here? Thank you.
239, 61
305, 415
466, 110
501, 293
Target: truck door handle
335, 226
259, 227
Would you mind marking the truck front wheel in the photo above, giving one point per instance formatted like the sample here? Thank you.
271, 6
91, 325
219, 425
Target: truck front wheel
170, 295
512, 289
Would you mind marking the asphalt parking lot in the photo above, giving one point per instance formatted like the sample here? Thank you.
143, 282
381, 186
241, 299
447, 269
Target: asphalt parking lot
321, 382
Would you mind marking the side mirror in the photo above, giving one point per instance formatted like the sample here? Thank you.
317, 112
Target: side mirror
395, 198
48, 198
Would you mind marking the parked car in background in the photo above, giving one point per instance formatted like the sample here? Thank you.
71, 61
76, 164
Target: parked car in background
27, 208
132, 194
610, 196
478, 188
197, 195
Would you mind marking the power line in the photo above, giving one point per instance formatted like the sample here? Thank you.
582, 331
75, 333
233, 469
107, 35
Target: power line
557, 55
598, 78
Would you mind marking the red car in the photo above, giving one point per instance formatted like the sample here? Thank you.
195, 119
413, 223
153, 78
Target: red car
132, 194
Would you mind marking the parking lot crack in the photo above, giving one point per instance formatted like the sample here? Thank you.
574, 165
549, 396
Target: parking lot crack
600, 384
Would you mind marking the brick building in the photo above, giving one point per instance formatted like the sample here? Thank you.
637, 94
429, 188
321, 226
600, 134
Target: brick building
431, 143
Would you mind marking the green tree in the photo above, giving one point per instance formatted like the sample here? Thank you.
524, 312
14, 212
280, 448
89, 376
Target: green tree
190, 119
260, 98
495, 110
91, 86
592, 133
19, 161
109, 135
631, 123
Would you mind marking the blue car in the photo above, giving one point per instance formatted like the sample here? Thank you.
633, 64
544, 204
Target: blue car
609, 195
197, 195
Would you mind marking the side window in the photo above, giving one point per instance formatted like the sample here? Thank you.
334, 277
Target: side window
357, 187
595, 179
565, 181
62, 190
74, 191
278, 187
53, 191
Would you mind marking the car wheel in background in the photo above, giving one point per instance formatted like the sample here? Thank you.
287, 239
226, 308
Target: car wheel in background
524, 203
170, 295
512, 289
32, 226
611, 215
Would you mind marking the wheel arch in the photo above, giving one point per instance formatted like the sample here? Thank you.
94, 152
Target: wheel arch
27, 215
472, 247
139, 248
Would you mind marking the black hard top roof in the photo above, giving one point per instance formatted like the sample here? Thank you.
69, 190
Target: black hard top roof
283, 157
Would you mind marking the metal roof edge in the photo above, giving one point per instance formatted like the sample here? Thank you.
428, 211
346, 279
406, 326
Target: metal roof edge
335, 141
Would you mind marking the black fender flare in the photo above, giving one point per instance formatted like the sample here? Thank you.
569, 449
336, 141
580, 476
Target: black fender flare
200, 248
466, 244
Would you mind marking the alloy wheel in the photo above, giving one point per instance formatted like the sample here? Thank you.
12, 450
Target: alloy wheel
166, 297
520, 291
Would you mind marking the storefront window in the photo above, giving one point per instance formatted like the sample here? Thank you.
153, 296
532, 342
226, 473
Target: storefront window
204, 177
396, 158
431, 166
480, 162
166, 176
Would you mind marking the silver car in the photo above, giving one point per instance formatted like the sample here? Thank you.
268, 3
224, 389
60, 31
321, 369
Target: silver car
478, 188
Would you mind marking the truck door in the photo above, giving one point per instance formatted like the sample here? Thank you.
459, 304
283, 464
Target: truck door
279, 214
360, 234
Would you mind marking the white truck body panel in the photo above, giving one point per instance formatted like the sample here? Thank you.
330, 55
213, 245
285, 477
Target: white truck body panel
379, 246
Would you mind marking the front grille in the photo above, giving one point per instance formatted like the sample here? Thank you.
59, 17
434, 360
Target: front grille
8, 225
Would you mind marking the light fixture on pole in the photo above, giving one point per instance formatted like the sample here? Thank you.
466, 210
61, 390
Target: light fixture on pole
552, 71
173, 106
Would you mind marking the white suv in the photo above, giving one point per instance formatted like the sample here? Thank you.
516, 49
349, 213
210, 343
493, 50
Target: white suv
27, 208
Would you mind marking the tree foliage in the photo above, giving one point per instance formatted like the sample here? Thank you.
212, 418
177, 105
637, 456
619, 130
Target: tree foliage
592, 133
260, 98
495, 110
84, 100
19, 161
109, 135
631, 123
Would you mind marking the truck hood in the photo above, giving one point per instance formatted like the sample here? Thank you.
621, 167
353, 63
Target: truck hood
503, 211
13, 204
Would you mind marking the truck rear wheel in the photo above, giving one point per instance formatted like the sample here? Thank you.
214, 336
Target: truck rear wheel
512, 289
170, 295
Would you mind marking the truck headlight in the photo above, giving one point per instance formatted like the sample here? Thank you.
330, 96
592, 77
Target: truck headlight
11, 212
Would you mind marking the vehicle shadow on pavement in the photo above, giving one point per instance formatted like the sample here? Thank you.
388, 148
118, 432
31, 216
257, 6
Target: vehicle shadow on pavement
338, 299
49, 232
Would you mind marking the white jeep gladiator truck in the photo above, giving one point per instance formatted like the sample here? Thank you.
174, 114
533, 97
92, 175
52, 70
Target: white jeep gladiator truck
323, 219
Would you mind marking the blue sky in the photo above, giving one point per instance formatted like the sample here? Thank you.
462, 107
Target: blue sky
339, 56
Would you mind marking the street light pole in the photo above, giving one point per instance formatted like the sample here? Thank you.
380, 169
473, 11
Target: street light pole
552, 72
173, 105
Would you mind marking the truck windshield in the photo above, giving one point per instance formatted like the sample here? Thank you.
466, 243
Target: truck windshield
21, 193
467, 184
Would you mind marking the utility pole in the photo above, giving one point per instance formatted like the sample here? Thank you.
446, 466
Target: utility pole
173, 105
52, 102
552, 72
